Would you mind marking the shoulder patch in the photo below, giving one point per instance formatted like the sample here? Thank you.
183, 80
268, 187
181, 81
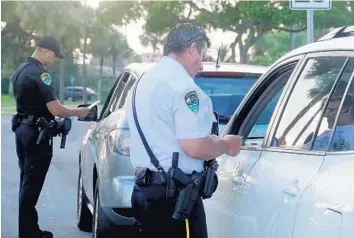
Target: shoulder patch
46, 78
192, 101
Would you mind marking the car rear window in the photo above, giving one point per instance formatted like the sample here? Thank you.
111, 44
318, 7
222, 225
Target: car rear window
226, 93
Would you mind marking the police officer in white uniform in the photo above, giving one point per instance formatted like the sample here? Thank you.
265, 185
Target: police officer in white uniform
174, 115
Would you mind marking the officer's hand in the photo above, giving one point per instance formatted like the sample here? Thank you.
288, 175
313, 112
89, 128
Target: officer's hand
234, 144
82, 112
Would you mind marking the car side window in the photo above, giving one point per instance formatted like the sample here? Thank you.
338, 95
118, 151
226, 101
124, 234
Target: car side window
260, 115
323, 137
343, 137
125, 92
119, 91
259, 129
116, 92
304, 109
109, 97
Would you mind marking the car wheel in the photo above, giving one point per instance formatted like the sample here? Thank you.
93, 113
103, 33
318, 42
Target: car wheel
101, 226
83, 214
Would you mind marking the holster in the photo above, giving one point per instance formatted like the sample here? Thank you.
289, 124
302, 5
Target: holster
188, 196
142, 176
210, 179
171, 189
210, 167
15, 122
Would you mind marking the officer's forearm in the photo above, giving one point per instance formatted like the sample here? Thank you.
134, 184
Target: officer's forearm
205, 148
57, 109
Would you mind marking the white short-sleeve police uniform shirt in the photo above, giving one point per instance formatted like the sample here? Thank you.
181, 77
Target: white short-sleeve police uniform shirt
170, 106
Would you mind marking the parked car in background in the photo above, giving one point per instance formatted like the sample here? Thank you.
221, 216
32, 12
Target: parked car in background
226, 85
76, 93
105, 180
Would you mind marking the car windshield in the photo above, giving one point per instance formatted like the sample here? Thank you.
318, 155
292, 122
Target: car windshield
226, 93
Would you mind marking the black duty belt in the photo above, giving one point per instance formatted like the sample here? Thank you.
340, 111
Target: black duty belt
24, 121
145, 177
155, 178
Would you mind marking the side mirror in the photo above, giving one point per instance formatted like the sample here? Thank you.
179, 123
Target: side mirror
93, 113
215, 127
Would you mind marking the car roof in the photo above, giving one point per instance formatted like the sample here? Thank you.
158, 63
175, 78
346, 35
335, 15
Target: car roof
234, 67
77, 87
337, 44
140, 68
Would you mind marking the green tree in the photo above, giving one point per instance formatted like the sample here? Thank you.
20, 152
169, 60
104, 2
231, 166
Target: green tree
117, 48
119, 12
341, 14
160, 18
86, 21
250, 20
99, 47
65, 20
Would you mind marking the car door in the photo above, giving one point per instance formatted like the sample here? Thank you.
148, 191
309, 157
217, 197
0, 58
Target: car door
326, 207
223, 208
111, 123
96, 136
287, 164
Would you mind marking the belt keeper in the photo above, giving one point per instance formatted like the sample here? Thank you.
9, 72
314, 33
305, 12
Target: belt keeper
162, 174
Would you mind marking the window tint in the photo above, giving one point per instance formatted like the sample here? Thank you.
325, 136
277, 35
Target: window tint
343, 138
304, 109
118, 92
260, 127
262, 113
226, 93
125, 92
326, 127
105, 110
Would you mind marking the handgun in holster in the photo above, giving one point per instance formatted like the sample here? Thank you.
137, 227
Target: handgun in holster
182, 189
210, 168
47, 130
188, 195
171, 189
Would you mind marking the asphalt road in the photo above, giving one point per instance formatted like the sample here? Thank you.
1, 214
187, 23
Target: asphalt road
57, 204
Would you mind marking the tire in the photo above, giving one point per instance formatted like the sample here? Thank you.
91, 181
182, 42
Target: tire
101, 226
83, 214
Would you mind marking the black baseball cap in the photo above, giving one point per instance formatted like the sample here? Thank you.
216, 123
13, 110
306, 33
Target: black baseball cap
51, 43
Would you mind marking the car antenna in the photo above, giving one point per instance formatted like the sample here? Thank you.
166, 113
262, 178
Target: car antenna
217, 59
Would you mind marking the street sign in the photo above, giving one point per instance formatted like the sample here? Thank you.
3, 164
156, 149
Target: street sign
310, 4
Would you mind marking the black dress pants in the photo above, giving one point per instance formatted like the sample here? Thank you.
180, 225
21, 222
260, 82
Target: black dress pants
34, 161
154, 215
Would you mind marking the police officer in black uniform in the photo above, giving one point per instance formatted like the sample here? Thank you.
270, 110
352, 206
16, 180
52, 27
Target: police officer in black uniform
36, 98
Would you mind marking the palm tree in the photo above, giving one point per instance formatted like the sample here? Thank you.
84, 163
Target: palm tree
99, 47
117, 47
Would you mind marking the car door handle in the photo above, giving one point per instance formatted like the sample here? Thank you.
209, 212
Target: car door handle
291, 191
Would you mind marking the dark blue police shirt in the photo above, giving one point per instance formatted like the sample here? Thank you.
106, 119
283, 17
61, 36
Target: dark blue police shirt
33, 89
